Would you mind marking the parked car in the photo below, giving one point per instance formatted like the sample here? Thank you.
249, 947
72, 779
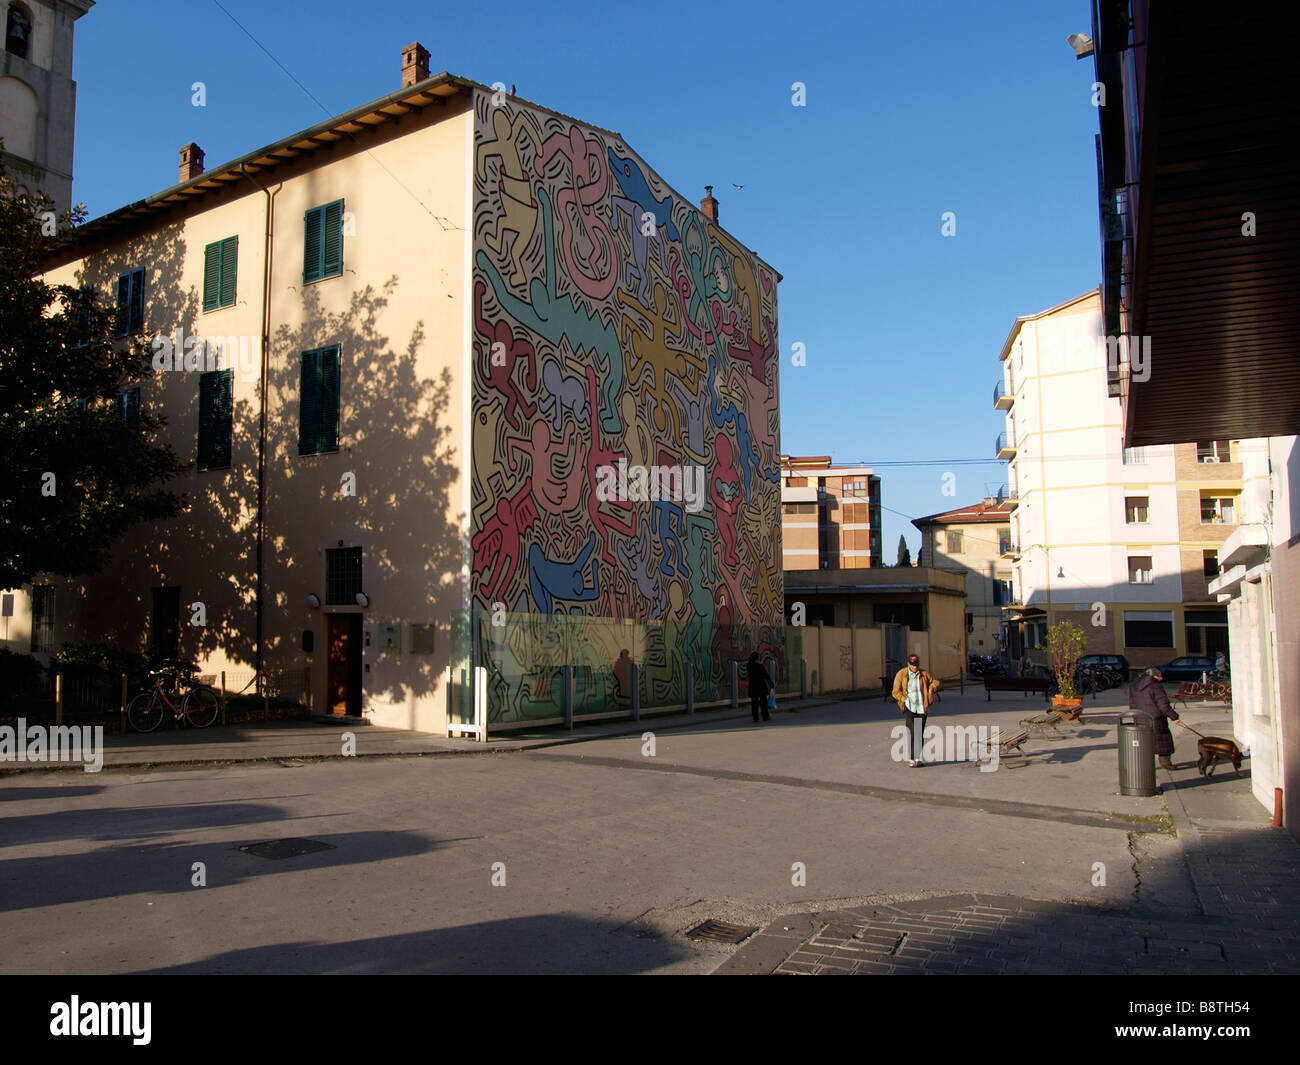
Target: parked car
1188, 667
1116, 662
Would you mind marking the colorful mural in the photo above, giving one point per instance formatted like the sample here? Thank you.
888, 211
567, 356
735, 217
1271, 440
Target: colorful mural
616, 329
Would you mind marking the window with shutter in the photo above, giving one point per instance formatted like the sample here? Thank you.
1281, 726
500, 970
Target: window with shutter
318, 431
128, 403
309, 394
216, 418
130, 302
328, 438
313, 223
219, 273
323, 244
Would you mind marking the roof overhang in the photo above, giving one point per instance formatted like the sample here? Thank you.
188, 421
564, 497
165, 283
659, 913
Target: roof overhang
1212, 206
258, 165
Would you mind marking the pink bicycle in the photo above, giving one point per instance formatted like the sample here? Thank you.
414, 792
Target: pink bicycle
198, 706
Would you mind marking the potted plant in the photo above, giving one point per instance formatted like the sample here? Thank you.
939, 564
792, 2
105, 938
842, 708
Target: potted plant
1065, 642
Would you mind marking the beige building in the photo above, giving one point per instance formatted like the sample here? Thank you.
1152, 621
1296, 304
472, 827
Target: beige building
451, 408
830, 515
38, 98
1123, 542
974, 541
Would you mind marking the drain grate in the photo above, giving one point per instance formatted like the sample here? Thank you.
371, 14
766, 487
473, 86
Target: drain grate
285, 848
722, 932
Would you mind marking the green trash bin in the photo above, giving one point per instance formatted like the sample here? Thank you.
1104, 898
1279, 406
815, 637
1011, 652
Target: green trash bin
1137, 754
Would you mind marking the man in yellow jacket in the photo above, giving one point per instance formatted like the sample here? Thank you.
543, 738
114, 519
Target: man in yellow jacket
914, 691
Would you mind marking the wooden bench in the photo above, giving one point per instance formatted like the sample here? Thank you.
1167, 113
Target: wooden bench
1016, 684
1050, 722
1007, 747
1217, 692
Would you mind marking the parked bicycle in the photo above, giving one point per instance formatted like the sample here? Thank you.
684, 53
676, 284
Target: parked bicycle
197, 707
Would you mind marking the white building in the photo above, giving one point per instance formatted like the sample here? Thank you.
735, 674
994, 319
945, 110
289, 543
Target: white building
1121, 542
1270, 518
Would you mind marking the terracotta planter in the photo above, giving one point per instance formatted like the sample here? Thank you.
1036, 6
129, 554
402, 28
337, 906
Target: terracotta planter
1075, 704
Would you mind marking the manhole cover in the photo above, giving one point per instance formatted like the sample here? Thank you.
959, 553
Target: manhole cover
721, 932
285, 848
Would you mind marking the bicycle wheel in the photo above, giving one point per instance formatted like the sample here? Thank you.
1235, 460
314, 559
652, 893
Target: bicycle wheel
201, 706
144, 713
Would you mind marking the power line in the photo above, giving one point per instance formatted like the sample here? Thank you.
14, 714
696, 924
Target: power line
445, 223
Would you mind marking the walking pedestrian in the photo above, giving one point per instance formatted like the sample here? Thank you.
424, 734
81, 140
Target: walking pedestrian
914, 691
759, 685
1149, 697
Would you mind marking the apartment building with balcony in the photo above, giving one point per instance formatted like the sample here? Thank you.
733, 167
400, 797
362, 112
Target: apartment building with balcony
975, 541
830, 515
1122, 541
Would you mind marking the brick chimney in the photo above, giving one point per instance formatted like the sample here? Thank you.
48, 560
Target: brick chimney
709, 205
191, 161
415, 64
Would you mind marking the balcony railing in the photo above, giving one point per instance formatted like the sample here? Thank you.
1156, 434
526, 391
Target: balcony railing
1002, 399
1002, 449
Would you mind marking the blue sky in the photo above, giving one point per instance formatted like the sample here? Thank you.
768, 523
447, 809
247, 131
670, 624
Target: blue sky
911, 110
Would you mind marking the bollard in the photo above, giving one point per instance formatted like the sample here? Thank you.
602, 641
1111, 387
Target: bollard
122, 705
635, 675
690, 686
803, 678
961, 679
568, 697
223, 696
735, 684
58, 698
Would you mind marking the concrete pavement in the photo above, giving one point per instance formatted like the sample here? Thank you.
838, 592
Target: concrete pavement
614, 852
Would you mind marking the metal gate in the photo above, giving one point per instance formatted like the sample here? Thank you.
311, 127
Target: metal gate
895, 649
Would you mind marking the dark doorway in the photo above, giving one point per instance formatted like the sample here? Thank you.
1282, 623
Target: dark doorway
165, 624
343, 670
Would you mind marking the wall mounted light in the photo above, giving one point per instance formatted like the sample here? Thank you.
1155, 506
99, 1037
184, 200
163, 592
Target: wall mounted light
1060, 571
313, 600
362, 599
1082, 45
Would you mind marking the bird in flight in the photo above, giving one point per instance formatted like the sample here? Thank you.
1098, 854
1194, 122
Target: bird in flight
735, 186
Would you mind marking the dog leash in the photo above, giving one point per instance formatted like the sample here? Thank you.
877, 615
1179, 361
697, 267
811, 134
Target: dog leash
1190, 729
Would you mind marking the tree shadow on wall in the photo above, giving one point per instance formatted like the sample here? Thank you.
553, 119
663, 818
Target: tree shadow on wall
392, 437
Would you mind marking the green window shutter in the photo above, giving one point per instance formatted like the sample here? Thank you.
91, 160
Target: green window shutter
313, 245
137, 301
229, 256
332, 257
123, 303
328, 435
309, 393
216, 418
212, 276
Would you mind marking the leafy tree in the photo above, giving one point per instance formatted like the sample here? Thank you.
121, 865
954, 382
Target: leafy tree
904, 555
78, 465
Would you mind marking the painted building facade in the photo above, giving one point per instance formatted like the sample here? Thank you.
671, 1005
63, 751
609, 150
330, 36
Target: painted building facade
520, 413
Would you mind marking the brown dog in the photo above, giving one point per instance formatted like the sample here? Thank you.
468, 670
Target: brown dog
1213, 748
